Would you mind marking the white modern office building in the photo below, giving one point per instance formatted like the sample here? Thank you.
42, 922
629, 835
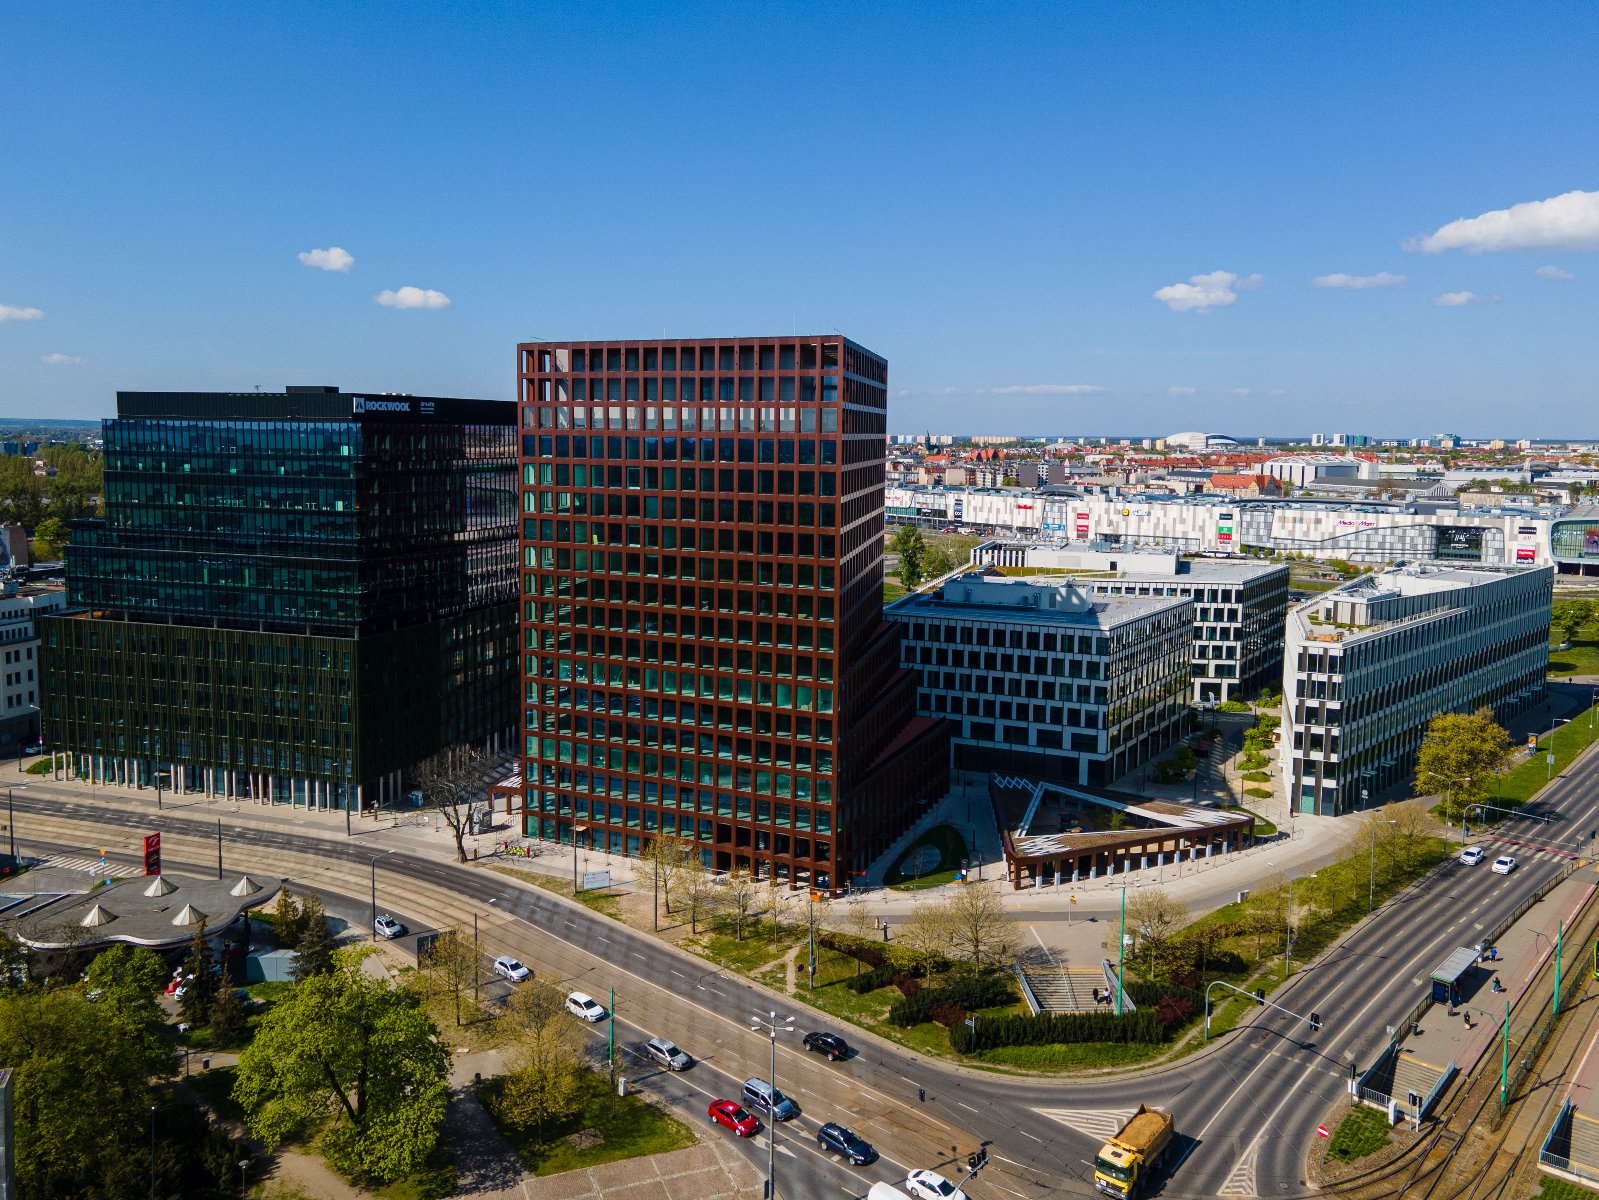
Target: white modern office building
1239, 605
1045, 679
20, 606
1368, 664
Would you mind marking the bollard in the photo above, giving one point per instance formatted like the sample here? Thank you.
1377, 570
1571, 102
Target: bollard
621, 1085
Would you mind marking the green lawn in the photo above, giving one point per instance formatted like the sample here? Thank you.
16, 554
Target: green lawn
893, 590
951, 847
629, 1127
216, 1087
1263, 827
600, 901
1580, 658
1081, 1056
1363, 1131
435, 1181
1520, 785
754, 952
1562, 1189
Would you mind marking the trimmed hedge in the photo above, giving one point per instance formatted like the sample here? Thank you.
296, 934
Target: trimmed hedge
1143, 1026
978, 991
877, 977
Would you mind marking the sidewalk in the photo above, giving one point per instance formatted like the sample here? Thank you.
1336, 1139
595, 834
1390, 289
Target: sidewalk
1523, 950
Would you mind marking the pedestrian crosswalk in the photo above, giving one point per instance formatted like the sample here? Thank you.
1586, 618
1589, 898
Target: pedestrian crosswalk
1096, 1123
91, 866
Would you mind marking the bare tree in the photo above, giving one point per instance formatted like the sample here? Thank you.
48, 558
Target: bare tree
665, 862
546, 1076
972, 924
1154, 917
452, 965
531, 1003
697, 887
740, 898
451, 783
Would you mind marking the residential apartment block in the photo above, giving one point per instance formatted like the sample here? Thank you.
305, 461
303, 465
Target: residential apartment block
293, 597
1045, 679
705, 650
1368, 664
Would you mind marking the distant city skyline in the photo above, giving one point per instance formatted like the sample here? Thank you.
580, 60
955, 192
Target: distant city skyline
1258, 220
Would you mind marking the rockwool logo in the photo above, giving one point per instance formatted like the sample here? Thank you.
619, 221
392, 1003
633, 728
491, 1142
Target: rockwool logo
364, 405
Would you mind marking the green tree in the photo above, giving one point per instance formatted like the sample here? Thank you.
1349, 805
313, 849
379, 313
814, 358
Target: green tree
1460, 755
81, 1081
349, 1055
909, 544
200, 980
13, 963
1154, 917
128, 979
228, 1019
287, 921
938, 561
314, 954
49, 536
545, 1082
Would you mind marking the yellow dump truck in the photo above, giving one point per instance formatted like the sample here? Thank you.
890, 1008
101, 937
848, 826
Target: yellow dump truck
1132, 1153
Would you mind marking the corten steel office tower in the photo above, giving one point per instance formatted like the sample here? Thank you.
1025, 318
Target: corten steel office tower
705, 653
293, 597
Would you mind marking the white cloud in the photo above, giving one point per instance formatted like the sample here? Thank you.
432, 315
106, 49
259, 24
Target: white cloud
412, 297
334, 258
1048, 389
1243, 391
1565, 222
1204, 292
1554, 273
10, 312
63, 360
1456, 299
1382, 279
1182, 391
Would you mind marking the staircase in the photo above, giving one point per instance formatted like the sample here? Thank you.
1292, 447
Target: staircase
1412, 1074
1063, 989
1584, 1152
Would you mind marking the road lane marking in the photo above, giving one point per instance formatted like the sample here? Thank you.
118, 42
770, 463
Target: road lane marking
1241, 1181
1092, 1122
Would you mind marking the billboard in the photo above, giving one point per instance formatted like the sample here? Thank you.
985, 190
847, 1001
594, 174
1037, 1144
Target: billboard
152, 854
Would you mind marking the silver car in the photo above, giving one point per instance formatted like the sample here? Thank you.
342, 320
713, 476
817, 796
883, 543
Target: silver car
667, 1054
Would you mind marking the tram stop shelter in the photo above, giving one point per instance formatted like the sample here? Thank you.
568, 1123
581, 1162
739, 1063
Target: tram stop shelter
1449, 975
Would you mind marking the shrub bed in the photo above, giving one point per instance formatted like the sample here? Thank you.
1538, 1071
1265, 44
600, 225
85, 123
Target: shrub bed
1143, 1026
963, 995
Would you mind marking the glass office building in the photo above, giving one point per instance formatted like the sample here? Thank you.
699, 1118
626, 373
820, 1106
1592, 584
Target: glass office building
705, 652
292, 597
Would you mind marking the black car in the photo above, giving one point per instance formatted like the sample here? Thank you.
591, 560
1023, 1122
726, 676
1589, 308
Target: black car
839, 1140
830, 1044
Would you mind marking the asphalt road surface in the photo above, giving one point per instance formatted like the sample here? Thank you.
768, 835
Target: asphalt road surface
1246, 1109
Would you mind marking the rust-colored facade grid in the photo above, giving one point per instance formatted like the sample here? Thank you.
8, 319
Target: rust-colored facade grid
705, 654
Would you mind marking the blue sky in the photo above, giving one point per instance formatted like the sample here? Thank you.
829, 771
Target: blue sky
991, 196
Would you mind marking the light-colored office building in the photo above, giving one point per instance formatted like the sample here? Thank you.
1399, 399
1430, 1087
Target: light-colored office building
1042, 678
1239, 605
1368, 664
20, 606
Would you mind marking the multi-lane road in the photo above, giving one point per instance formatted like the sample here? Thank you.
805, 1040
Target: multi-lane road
1246, 1108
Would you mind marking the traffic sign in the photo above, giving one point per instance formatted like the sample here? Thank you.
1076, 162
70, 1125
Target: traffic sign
1321, 1131
1074, 899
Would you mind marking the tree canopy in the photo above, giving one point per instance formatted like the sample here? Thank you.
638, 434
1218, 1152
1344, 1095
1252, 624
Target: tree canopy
348, 1054
1461, 754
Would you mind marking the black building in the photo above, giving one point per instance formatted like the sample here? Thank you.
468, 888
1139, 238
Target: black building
292, 596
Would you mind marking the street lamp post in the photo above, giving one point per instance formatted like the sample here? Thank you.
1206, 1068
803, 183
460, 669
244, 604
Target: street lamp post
1549, 752
11, 819
372, 919
1449, 788
771, 1023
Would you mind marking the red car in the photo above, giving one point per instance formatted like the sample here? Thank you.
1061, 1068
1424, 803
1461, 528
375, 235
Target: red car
730, 1116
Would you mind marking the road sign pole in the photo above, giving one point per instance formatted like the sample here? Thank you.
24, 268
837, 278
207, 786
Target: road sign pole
1560, 930
1504, 1062
1121, 953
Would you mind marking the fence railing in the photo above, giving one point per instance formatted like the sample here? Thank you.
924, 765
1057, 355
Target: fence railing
1027, 990
1547, 1156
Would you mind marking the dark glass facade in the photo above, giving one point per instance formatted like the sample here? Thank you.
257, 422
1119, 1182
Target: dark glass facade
705, 654
291, 596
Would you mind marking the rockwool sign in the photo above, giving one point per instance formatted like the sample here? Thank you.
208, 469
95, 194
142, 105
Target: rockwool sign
363, 404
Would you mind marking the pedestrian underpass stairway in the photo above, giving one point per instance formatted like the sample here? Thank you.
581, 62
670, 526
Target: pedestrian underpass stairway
1063, 990
1413, 1074
1584, 1152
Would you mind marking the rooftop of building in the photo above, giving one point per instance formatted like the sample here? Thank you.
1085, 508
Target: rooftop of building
160, 911
1046, 601
1344, 614
313, 403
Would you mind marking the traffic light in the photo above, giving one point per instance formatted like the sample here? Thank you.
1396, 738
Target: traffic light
971, 1162
1260, 996
1315, 1020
